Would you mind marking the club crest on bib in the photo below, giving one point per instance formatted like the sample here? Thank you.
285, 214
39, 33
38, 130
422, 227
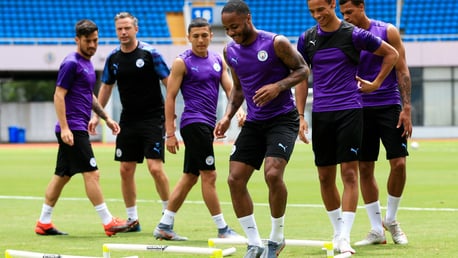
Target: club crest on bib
216, 67
139, 63
93, 162
118, 152
262, 55
210, 160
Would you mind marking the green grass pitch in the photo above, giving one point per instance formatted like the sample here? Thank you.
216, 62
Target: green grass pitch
428, 213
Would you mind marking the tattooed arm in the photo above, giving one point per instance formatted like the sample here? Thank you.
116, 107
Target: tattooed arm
98, 109
292, 59
296, 63
404, 82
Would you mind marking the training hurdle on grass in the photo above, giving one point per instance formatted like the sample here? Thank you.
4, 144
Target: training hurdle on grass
212, 242
324, 245
213, 252
27, 254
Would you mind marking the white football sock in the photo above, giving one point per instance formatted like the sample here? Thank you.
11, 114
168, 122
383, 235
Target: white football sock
251, 230
104, 213
46, 214
219, 221
392, 208
374, 213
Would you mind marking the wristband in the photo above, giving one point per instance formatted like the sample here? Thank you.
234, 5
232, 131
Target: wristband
301, 115
169, 136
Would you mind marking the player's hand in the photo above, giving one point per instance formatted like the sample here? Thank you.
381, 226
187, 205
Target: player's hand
172, 144
405, 119
93, 125
265, 94
303, 130
114, 126
67, 136
221, 128
366, 86
241, 117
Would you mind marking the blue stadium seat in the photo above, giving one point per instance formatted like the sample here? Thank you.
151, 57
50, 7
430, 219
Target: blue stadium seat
35, 19
430, 18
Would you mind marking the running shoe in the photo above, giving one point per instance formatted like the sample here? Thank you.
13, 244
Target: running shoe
165, 232
335, 242
227, 232
373, 238
134, 225
344, 246
115, 226
396, 232
47, 229
254, 251
273, 249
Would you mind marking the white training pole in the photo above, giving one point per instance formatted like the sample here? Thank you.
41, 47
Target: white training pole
27, 254
325, 245
344, 255
212, 242
229, 251
214, 252
300, 242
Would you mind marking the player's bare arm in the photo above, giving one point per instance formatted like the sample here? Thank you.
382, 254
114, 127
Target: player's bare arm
100, 112
390, 57
104, 94
103, 97
404, 81
98, 109
301, 93
292, 59
59, 104
226, 84
174, 83
236, 99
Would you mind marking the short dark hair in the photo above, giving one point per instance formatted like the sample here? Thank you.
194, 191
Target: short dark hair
197, 23
85, 27
354, 2
237, 6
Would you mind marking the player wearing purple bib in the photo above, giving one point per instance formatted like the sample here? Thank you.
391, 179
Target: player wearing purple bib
197, 73
200, 86
387, 118
332, 48
74, 100
264, 67
262, 49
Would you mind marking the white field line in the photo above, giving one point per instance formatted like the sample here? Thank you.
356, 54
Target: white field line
8, 197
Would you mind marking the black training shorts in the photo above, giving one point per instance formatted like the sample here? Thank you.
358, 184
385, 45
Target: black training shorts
198, 155
380, 124
336, 136
270, 138
140, 139
77, 158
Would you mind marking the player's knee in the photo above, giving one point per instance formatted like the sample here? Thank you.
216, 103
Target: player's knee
398, 165
273, 177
